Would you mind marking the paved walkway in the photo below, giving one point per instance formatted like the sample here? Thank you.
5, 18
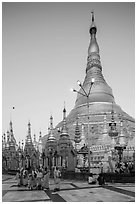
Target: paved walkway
71, 191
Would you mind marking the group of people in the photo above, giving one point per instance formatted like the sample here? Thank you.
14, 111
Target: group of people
124, 167
93, 180
38, 178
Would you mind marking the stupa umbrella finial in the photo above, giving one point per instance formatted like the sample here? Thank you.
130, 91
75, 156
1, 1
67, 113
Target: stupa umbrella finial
92, 12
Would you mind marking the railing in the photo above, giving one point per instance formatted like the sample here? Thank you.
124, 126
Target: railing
119, 177
109, 177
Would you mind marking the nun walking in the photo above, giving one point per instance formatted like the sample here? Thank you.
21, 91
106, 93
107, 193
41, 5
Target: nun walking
45, 181
57, 177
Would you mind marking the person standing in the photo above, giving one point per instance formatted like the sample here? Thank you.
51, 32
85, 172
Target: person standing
45, 182
30, 181
25, 177
21, 176
18, 177
101, 179
57, 177
91, 179
39, 179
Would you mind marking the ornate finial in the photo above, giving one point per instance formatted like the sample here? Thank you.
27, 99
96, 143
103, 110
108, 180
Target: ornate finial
51, 121
29, 128
93, 50
93, 28
50, 131
64, 110
92, 12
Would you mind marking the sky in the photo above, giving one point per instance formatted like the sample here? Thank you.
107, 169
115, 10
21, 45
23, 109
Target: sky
44, 53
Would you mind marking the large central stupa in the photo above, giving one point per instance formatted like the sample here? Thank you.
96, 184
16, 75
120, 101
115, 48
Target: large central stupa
101, 102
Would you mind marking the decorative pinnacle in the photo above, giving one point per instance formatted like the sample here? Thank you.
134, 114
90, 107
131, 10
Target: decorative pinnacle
64, 110
92, 12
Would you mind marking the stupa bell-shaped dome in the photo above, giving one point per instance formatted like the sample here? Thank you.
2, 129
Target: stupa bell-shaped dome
100, 98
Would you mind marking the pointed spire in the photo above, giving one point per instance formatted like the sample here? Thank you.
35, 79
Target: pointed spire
93, 50
51, 122
29, 139
64, 130
64, 140
100, 91
10, 125
92, 16
64, 112
12, 138
51, 136
29, 128
8, 140
93, 28
51, 140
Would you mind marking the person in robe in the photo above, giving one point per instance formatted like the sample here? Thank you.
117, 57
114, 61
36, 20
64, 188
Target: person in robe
45, 181
57, 177
101, 179
30, 181
91, 179
18, 177
21, 176
39, 179
25, 177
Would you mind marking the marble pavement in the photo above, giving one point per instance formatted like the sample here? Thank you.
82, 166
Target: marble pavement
71, 191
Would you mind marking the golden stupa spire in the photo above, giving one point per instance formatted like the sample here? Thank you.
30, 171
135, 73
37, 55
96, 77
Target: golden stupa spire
100, 92
93, 50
